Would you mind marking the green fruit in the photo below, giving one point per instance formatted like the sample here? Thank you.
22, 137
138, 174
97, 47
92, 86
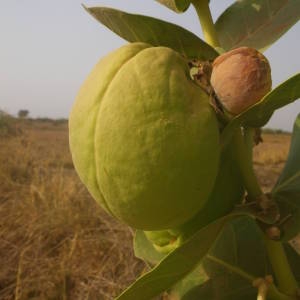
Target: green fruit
144, 139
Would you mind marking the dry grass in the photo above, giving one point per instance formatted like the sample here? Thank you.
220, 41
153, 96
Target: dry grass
269, 158
55, 242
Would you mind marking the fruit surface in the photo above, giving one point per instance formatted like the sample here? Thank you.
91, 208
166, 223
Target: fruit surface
240, 78
144, 139
228, 191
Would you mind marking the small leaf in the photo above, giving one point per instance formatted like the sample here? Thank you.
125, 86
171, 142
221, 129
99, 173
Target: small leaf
287, 189
176, 5
144, 250
259, 114
256, 23
177, 264
138, 28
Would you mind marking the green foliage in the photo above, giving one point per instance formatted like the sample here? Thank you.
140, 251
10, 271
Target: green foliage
177, 264
256, 23
240, 246
287, 188
137, 28
229, 271
294, 260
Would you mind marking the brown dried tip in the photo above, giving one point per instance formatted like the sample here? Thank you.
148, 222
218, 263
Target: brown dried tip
240, 78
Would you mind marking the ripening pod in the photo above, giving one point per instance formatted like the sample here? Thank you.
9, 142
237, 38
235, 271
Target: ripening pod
240, 78
144, 139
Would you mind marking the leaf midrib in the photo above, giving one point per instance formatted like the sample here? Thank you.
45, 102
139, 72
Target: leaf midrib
268, 21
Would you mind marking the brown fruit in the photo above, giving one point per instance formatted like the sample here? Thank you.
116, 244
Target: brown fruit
240, 78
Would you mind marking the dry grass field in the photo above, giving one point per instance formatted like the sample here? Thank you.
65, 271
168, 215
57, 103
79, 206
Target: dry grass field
269, 158
55, 242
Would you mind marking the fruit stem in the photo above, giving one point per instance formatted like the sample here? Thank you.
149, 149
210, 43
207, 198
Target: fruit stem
243, 155
206, 21
280, 265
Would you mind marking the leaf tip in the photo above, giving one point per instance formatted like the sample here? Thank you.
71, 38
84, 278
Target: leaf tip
87, 9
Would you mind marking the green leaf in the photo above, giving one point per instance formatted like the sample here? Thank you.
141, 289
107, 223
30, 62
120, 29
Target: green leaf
187, 288
294, 260
239, 247
177, 264
176, 5
287, 189
290, 176
256, 23
137, 28
144, 250
259, 114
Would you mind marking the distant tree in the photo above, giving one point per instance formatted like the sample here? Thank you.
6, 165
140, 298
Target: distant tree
8, 125
23, 113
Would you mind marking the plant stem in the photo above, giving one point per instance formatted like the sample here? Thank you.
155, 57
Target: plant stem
206, 21
286, 280
243, 156
248, 136
262, 287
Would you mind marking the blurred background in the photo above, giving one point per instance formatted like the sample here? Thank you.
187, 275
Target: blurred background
49, 47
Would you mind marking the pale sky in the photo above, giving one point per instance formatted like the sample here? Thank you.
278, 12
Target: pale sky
49, 47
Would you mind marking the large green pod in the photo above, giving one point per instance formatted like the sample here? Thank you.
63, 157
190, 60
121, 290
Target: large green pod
144, 139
